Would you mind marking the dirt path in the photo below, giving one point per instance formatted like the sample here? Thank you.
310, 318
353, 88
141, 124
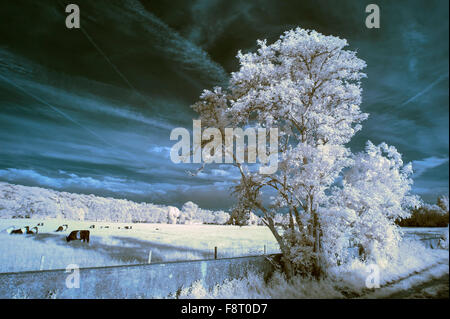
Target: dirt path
429, 283
437, 288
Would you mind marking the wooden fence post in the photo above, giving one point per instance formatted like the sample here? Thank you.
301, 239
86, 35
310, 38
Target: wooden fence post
41, 266
215, 252
149, 257
265, 249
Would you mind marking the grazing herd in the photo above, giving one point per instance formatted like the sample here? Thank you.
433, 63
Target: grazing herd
25, 230
82, 235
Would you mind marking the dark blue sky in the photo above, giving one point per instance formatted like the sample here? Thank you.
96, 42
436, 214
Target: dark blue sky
92, 112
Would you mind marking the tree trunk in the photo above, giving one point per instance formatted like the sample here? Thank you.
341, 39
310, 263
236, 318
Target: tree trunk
317, 266
291, 220
287, 266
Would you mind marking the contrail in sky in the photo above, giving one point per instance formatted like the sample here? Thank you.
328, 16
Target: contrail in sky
66, 116
54, 108
429, 87
108, 60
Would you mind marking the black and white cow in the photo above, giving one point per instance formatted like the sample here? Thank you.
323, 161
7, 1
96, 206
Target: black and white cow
17, 231
32, 231
62, 228
82, 235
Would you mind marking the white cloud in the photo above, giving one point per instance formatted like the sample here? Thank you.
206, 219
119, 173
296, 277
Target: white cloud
160, 149
421, 166
68, 180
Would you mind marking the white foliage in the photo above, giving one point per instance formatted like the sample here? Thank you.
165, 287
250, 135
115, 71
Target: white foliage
173, 215
35, 202
374, 193
443, 203
221, 217
188, 213
307, 85
253, 220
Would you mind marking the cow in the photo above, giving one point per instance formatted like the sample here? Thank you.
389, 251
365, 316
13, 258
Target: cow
62, 228
128, 227
31, 231
40, 224
16, 231
82, 235
92, 226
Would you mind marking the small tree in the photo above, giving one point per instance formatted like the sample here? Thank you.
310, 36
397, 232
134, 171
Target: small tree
442, 202
172, 215
221, 217
374, 194
188, 213
239, 217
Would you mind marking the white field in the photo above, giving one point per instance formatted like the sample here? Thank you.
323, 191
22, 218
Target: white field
114, 246
415, 264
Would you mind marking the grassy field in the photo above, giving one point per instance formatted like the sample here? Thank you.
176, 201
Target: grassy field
415, 268
116, 245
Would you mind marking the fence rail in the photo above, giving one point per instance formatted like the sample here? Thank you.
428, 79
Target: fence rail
131, 281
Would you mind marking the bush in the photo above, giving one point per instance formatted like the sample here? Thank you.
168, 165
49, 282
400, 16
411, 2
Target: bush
427, 216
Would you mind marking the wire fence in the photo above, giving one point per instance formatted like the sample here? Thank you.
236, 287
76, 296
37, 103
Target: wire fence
211, 252
432, 241
29, 256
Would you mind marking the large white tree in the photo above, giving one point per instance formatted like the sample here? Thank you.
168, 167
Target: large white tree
308, 86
